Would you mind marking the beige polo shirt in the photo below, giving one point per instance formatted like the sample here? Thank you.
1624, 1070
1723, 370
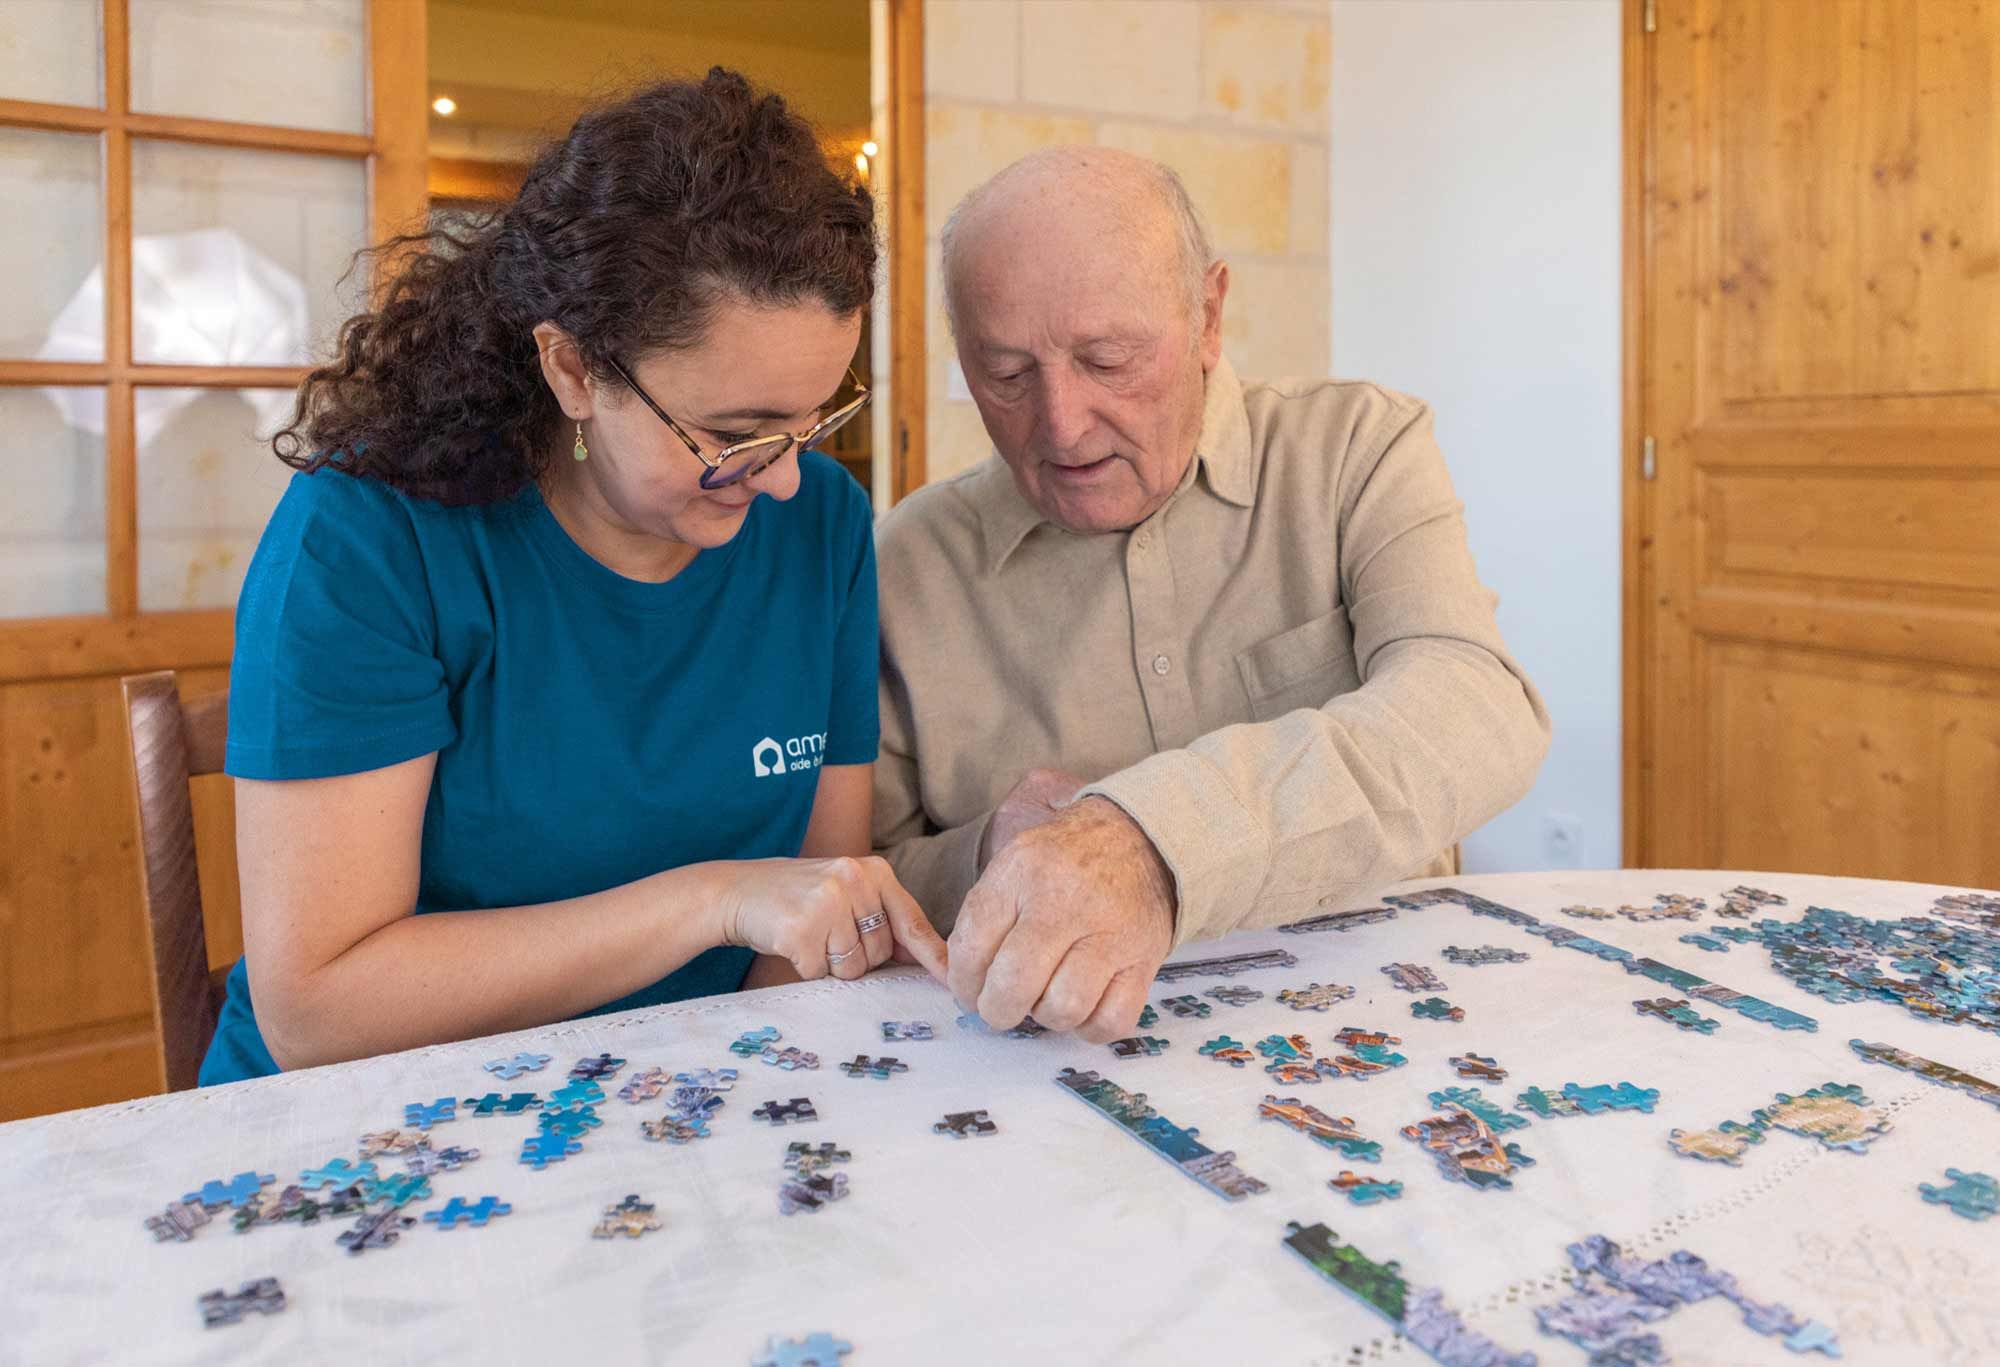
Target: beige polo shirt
1289, 675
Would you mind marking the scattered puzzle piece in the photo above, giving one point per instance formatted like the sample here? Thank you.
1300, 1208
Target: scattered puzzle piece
1226, 1050
1707, 942
1437, 1009
784, 1112
917, 1030
1228, 966
337, 1172
817, 1350
1419, 1313
1139, 1046
1340, 920
221, 1307
715, 1079
1485, 954
1974, 1195
457, 1210
1315, 996
644, 1085
495, 1104
235, 1192
1466, 1149
1363, 1191
179, 1222
1587, 913
790, 1059
1471, 1099
1678, 1013
1293, 1074
1233, 995
1328, 1131
394, 1141
1148, 1017
595, 1069
511, 1068
1188, 1007
811, 1193
805, 1159
397, 1189
576, 1095
880, 1068
754, 1041
965, 1124
569, 1124
1572, 1099
426, 1161
377, 1229
1943, 1074
1837, 1115
630, 1217
1726, 1143
423, 1116
1479, 1066
1285, 1047
1413, 978
675, 1129
540, 1150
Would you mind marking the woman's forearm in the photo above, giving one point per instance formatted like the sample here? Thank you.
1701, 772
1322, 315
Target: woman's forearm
458, 975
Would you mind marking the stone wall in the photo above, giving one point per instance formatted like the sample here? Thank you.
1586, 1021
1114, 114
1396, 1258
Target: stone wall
1231, 93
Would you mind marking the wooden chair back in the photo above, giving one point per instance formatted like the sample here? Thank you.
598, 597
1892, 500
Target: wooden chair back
173, 742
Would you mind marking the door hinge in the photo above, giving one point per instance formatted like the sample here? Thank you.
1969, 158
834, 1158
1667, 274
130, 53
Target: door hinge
1652, 17
1647, 466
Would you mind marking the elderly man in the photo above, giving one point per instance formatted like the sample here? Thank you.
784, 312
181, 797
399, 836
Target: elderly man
1188, 654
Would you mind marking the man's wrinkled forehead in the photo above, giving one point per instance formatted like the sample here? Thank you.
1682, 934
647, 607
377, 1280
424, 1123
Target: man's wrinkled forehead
1022, 278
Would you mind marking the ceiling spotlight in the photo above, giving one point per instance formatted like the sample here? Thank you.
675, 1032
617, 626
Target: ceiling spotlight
445, 105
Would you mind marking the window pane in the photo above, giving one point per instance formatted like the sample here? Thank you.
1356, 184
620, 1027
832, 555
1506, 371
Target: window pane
293, 63
236, 254
207, 484
52, 518
52, 51
51, 245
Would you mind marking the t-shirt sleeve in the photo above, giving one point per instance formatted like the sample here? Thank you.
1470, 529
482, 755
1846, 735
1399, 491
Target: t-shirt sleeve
336, 668
854, 730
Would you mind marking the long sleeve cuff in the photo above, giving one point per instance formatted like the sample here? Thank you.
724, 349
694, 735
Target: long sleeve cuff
1216, 848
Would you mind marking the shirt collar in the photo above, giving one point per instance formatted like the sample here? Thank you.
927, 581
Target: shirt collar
1222, 454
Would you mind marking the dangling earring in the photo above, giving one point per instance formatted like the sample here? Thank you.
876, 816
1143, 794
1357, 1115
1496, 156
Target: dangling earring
580, 451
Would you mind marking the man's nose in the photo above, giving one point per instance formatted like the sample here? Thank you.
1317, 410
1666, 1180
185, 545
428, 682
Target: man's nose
1065, 405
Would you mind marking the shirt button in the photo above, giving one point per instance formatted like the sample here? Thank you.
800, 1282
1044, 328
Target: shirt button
1161, 664
1143, 539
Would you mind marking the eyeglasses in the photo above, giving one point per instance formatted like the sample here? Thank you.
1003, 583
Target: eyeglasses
742, 459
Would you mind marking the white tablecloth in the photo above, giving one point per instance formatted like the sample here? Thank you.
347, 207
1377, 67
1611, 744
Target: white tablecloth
1061, 1238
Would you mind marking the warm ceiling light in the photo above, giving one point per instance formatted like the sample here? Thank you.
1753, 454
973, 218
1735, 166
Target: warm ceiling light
445, 105
869, 149
861, 162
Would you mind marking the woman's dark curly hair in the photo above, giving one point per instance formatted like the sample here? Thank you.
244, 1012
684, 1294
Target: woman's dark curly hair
626, 234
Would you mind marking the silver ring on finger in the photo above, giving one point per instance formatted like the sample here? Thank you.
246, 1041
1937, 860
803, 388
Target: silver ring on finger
874, 921
843, 955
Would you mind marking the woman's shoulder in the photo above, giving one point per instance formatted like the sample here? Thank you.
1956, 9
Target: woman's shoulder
330, 505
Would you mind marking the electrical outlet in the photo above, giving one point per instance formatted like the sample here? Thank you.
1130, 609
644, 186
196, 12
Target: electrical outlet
1562, 840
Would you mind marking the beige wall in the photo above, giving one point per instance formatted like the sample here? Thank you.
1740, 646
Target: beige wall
1231, 93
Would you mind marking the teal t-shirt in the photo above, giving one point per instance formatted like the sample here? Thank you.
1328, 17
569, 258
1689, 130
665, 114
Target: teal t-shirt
590, 729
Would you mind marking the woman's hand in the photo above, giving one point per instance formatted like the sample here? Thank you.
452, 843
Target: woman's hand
810, 912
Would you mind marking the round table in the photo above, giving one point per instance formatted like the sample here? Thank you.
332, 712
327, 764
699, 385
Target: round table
1072, 1234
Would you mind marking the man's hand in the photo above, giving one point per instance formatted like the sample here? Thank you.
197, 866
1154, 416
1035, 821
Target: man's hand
1069, 923
1035, 799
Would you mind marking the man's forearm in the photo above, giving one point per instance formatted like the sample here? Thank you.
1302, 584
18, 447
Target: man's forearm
1260, 822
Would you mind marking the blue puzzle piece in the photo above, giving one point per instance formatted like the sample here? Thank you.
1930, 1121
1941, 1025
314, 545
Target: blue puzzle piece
753, 1041
397, 1189
576, 1095
1471, 1099
715, 1079
816, 1350
1605, 1097
1707, 942
456, 1211
337, 1173
1975, 1195
237, 1191
511, 1068
420, 1116
570, 1124
540, 1150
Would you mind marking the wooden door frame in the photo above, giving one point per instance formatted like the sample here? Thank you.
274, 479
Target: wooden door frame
1635, 512
909, 369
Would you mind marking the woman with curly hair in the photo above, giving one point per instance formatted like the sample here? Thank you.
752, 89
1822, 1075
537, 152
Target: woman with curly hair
554, 688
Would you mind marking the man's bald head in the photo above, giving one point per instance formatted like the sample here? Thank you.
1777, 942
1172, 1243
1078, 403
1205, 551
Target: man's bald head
1062, 200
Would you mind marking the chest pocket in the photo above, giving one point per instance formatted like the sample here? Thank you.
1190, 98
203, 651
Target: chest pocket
1306, 666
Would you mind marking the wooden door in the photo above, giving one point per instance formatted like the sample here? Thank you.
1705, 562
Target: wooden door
1813, 608
185, 180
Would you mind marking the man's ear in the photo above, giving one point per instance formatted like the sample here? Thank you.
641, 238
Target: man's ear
1214, 289
562, 368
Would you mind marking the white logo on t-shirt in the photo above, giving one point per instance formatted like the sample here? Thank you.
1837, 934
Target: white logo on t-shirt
799, 754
